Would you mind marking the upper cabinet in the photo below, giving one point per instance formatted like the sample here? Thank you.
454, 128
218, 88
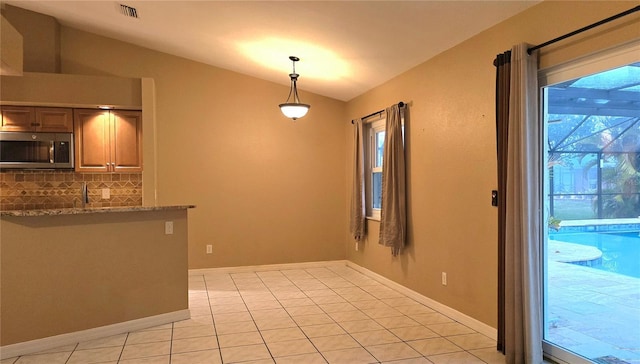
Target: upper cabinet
108, 140
37, 119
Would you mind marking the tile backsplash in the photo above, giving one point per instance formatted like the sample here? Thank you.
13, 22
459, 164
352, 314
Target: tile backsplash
29, 190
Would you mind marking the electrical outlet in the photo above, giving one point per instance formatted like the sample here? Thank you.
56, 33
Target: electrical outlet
168, 227
444, 278
209, 248
106, 193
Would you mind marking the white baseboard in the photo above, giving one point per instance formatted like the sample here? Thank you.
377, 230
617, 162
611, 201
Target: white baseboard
34, 346
259, 268
479, 326
446, 310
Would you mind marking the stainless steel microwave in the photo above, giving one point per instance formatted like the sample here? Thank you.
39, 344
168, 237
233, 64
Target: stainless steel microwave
25, 150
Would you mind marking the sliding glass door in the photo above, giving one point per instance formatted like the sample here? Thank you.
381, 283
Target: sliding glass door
591, 250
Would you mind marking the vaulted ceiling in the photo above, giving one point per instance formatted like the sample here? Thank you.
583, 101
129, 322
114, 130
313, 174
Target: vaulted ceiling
346, 47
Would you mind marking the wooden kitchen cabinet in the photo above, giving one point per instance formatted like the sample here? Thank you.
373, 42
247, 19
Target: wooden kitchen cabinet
108, 140
37, 119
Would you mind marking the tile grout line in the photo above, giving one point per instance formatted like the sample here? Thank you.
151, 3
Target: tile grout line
289, 314
70, 355
171, 343
123, 346
404, 315
359, 310
318, 305
337, 323
252, 318
213, 319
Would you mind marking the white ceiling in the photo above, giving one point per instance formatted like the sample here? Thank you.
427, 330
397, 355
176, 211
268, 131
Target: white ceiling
345, 47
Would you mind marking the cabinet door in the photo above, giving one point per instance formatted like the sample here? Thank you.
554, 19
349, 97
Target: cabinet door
91, 140
54, 119
18, 118
126, 141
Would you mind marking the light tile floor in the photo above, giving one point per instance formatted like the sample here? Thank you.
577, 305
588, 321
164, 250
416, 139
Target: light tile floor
331, 314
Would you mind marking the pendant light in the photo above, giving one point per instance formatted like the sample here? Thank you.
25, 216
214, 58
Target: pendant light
295, 109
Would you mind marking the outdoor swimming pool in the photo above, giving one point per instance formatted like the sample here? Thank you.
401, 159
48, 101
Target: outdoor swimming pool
620, 250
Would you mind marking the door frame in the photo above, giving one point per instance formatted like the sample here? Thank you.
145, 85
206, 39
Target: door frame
596, 62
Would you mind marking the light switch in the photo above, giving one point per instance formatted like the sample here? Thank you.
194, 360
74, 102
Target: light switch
106, 193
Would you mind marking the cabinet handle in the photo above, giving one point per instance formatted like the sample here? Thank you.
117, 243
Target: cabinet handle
52, 152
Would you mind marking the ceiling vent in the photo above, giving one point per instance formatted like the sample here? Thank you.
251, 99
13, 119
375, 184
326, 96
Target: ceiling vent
129, 11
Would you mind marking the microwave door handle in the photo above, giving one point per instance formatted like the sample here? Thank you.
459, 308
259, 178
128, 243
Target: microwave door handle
52, 152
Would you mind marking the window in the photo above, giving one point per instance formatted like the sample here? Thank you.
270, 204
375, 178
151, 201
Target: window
374, 134
374, 152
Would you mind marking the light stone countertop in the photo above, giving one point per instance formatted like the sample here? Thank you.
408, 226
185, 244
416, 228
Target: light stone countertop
96, 210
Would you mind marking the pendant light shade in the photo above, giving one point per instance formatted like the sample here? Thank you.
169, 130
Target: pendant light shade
294, 110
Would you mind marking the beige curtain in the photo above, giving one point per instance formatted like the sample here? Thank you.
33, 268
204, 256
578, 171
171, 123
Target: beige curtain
393, 217
357, 215
523, 313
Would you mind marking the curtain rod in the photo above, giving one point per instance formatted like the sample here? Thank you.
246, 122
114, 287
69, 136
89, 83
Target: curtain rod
400, 104
604, 21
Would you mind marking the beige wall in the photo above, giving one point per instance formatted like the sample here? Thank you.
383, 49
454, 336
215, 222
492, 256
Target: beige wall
39, 29
87, 271
80, 91
450, 142
11, 52
267, 189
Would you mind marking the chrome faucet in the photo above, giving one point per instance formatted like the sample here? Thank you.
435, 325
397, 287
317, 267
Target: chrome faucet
85, 195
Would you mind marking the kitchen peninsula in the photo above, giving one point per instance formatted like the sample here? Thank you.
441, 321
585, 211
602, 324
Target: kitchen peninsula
75, 274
